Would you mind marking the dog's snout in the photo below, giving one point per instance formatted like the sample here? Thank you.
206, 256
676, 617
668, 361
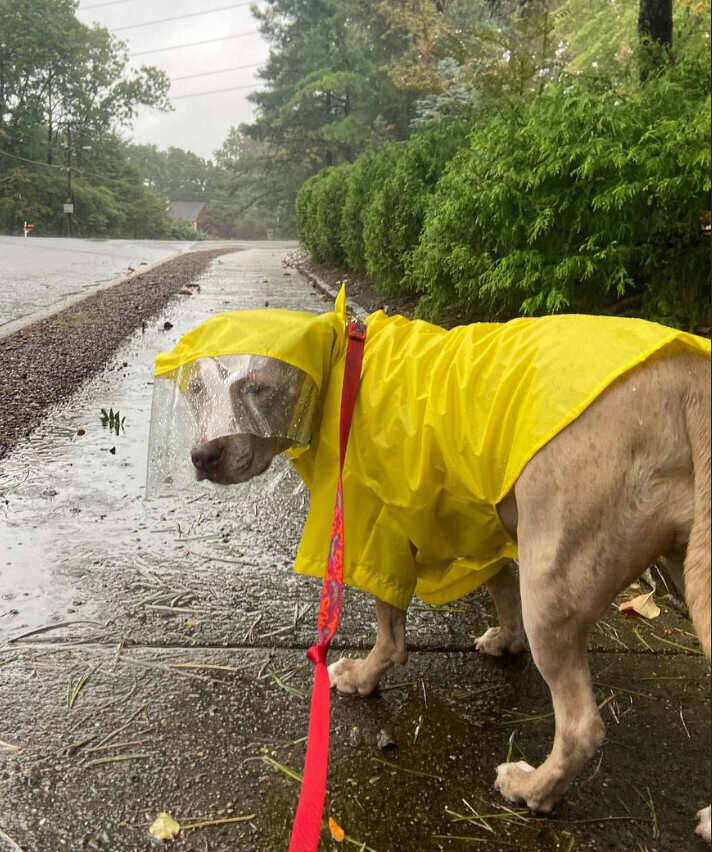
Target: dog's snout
206, 457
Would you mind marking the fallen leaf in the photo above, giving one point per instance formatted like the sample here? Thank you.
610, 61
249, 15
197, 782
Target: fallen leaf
336, 830
642, 604
191, 622
164, 827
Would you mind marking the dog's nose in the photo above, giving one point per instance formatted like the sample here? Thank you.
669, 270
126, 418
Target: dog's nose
206, 457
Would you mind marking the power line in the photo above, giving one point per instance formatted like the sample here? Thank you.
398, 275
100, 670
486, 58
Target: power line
180, 17
104, 178
34, 162
213, 92
193, 43
219, 71
101, 5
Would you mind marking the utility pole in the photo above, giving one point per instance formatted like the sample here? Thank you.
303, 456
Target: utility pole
69, 204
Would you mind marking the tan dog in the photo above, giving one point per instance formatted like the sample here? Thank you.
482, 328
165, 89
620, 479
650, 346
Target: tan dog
625, 483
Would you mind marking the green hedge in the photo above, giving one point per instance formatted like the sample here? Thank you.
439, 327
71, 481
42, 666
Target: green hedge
362, 181
318, 205
582, 199
394, 218
368, 215
587, 198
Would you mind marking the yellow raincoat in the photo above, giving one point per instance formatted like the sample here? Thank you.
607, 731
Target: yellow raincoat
444, 423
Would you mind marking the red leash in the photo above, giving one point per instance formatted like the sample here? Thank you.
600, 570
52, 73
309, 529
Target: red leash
307, 822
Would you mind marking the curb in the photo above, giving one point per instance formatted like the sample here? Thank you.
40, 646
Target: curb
13, 326
320, 284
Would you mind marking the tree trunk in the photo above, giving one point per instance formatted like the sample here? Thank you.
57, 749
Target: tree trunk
329, 154
654, 34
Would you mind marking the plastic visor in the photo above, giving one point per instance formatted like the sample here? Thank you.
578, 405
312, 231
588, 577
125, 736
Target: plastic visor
210, 398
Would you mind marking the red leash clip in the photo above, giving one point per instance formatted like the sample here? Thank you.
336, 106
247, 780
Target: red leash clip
307, 822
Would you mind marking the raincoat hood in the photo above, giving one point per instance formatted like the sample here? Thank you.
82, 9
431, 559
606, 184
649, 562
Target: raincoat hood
257, 373
444, 423
306, 341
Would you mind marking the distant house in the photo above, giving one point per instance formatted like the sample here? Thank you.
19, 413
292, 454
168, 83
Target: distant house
191, 211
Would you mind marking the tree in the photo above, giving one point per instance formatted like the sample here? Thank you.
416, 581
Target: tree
55, 74
56, 71
114, 206
175, 173
464, 51
327, 88
328, 94
249, 200
655, 21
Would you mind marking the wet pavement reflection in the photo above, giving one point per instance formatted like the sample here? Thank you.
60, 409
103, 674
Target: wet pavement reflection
72, 492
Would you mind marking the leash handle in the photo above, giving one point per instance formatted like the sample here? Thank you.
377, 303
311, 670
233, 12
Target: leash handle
307, 822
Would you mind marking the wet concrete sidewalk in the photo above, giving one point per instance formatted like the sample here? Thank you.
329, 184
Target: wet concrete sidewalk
173, 677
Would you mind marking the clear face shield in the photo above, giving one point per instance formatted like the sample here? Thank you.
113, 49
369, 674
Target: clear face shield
224, 418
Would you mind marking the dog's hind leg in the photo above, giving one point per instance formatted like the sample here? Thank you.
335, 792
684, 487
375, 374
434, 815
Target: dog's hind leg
509, 635
596, 505
697, 559
362, 676
557, 637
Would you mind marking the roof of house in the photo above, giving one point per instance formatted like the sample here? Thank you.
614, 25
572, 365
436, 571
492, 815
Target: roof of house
189, 210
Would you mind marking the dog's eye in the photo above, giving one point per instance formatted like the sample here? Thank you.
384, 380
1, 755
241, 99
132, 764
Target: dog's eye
195, 387
256, 388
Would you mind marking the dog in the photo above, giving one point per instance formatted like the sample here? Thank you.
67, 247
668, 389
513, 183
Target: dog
624, 484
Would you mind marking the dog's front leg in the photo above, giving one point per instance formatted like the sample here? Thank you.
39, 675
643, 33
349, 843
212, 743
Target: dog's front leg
362, 676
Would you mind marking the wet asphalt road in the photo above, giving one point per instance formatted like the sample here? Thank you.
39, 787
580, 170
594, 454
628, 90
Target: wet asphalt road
38, 272
184, 646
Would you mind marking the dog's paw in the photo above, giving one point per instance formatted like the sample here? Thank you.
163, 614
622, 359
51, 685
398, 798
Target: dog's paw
703, 824
349, 677
496, 641
510, 778
514, 782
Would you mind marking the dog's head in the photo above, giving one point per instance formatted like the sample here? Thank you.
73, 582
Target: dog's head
246, 410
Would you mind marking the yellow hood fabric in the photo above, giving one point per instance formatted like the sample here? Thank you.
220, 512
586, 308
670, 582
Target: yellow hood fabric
444, 423
306, 341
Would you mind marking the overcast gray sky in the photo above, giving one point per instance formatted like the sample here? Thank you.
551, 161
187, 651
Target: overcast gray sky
199, 123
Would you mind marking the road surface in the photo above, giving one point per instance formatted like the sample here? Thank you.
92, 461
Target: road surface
38, 272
